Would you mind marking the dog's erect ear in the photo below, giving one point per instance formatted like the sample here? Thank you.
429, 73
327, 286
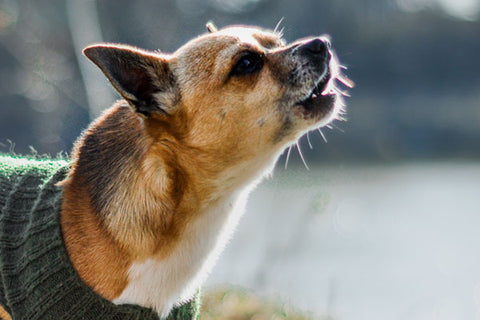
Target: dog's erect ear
142, 78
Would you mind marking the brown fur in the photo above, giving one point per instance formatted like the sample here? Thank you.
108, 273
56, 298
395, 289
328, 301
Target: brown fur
187, 134
4, 315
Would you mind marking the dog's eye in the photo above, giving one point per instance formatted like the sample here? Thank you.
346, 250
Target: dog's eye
249, 63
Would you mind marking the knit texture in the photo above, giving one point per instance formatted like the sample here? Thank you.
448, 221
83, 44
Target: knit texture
37, 279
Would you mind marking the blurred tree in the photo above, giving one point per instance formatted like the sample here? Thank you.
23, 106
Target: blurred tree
414, 62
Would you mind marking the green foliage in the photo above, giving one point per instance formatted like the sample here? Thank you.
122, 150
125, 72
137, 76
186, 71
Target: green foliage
241, 304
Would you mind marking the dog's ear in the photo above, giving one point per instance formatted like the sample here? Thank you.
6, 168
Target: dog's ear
143, 78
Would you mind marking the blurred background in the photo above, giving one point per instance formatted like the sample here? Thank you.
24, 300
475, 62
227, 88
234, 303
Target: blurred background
384, 224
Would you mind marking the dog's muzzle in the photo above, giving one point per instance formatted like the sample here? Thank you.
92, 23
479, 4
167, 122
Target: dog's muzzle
319, 99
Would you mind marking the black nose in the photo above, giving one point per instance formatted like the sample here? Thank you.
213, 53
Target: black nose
316, 48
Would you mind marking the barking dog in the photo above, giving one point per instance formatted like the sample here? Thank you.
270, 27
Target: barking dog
158, 182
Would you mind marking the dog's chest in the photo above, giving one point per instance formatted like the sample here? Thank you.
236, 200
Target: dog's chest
160, 284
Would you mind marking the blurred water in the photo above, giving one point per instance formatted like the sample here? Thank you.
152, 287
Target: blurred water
379, 242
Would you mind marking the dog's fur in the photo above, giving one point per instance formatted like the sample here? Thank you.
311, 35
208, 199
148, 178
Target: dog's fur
159, 180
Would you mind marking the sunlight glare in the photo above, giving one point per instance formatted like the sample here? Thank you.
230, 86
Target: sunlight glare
460, 9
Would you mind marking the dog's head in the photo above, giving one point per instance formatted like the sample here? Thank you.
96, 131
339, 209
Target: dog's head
236, 94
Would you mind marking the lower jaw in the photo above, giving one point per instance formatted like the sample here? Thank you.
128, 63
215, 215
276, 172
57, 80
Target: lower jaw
319, 111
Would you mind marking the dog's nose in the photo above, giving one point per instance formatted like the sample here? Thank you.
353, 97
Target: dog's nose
316, 48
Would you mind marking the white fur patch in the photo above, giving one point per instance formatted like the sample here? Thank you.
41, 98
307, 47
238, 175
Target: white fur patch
161, 284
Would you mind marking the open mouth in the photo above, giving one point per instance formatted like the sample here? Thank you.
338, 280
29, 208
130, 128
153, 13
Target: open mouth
321, 99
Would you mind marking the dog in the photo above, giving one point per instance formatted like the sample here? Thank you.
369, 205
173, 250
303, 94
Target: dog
158, 182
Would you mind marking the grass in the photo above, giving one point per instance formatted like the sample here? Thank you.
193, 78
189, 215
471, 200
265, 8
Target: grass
242, 304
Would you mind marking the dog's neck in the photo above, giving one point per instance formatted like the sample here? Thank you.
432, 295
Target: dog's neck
130, 197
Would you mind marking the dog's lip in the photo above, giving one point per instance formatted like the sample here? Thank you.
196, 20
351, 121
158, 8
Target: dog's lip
321, 97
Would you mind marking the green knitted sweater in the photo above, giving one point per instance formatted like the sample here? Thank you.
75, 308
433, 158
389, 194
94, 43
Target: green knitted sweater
37, 279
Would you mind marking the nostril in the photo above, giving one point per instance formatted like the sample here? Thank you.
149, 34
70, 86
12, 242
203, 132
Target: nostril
316, 46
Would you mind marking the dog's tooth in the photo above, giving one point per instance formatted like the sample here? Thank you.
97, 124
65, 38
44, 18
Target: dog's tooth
314, 96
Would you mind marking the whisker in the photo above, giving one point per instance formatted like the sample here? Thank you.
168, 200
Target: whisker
308, 139
343, 93
323, 136
338, 128
288, 156
278, 26
346, 81
301, 156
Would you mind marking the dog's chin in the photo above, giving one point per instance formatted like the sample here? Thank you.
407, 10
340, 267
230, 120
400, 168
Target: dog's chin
318, 108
